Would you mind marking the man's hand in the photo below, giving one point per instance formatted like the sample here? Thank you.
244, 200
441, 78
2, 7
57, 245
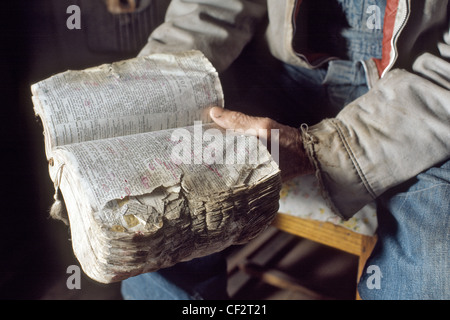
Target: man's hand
293, 159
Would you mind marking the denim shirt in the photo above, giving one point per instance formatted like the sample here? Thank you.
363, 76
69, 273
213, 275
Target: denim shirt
344, 29
344, 33
364, 34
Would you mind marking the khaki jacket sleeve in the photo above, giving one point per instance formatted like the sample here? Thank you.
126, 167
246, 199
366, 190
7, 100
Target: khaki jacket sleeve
218, 28
400, 128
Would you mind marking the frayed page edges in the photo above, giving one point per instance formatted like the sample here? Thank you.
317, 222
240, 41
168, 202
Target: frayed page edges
58, 209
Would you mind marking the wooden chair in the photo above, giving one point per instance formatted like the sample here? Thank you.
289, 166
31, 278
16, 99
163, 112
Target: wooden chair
331, 235
298, 199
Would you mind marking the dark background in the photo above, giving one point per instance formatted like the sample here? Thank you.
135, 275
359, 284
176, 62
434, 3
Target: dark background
35, 250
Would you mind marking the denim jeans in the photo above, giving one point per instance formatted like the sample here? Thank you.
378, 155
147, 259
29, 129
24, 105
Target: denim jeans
412, 253
202, 278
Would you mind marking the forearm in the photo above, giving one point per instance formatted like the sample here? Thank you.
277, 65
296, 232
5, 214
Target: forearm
400, 128
220, 29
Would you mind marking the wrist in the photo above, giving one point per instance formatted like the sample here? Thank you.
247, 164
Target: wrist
294, 160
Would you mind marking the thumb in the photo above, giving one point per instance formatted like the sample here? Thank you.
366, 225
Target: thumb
238, 121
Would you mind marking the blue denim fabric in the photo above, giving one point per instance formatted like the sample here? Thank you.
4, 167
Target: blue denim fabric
198, 279
363, 42
345, 81
412, 253
153, 286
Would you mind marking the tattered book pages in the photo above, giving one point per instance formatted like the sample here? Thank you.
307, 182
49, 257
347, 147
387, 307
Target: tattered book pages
147, 179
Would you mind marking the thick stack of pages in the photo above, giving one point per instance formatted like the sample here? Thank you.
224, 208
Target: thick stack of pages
144, 185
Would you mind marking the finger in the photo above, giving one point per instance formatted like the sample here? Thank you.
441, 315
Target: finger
239, 121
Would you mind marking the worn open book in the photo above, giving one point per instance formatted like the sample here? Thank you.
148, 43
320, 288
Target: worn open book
147, 179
